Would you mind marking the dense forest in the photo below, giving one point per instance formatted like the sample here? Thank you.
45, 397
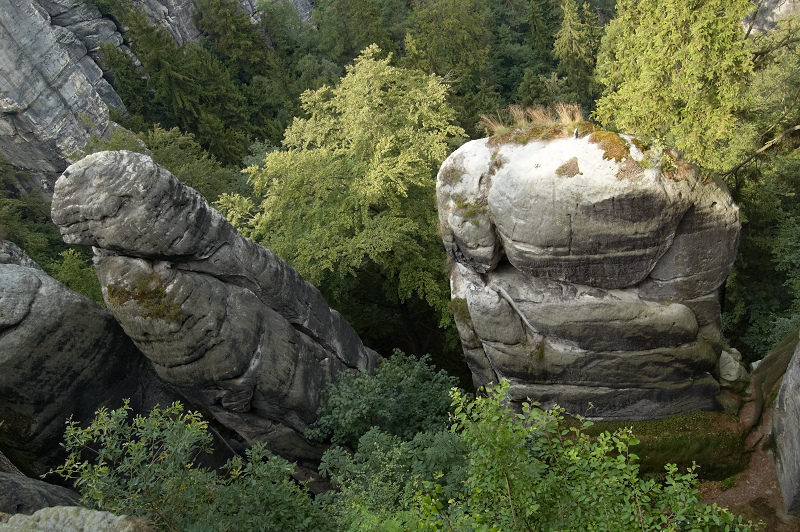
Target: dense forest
321, 141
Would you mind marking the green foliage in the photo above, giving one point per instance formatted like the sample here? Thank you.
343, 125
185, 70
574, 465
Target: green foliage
528, 472
687, 90
575, 47
406, 396
348, 26
451, 38
78, 273
25, 216
353, 190
384, 474
148, 468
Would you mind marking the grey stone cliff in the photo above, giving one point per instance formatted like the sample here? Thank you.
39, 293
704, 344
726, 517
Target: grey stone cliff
22, 495
587, 281
73, 518
61, 355
50, 101
54, 91
786, 434
226, 321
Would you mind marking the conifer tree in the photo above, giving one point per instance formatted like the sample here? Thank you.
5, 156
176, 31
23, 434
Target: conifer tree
573, 49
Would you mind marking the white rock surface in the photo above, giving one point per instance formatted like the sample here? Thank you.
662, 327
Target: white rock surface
585, 279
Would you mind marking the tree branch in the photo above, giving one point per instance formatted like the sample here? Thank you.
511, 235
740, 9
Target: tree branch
762, 149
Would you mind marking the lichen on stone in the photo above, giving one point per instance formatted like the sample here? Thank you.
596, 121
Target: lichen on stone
569, 168
614, 147
149, 294
460, 310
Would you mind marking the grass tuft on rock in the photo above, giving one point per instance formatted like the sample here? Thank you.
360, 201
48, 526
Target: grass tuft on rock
519, 126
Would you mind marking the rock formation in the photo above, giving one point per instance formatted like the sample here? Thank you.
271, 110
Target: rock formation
223, 319
587, 272
54, 90
50, 101
61, 355
22, 495
64, 518
786, 434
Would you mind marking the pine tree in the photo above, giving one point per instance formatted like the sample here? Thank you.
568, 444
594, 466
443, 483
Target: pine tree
573, 49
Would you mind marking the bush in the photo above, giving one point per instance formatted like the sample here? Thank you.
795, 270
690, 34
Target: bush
526, 471
406, 396
148, 468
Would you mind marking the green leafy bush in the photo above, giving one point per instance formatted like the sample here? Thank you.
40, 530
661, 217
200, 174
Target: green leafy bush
527, 471
148, 468
406, 396
78, 273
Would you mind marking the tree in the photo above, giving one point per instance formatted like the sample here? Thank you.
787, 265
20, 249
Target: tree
451, 38
350, 198
677, 72
574, 47
348, 26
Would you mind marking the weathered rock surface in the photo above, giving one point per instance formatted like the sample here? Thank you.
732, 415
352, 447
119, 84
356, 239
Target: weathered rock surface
50, 101
226, 321
54, 90
584, 279
22, 495
72, 518
61, 355
786, 433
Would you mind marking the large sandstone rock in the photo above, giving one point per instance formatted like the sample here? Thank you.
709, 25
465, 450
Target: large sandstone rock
73, 518
786, 433
225, 320
22, 495
585, 277
61, 355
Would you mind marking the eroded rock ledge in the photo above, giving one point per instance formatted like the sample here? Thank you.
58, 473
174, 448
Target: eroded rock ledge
226, 321
588, 272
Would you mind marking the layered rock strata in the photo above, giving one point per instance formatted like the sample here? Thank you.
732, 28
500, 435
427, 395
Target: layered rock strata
50, 91
587, 272
61, 355
226, 321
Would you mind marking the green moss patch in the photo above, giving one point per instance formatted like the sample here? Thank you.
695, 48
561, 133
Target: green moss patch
614, 147
150, 295
460, 310
469, 210
711, 439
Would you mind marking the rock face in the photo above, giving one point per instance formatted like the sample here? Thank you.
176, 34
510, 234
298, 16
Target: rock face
587, 272
64, 518
23, 495
50, 101
226, 321
61, 355
786, 433
54, 90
